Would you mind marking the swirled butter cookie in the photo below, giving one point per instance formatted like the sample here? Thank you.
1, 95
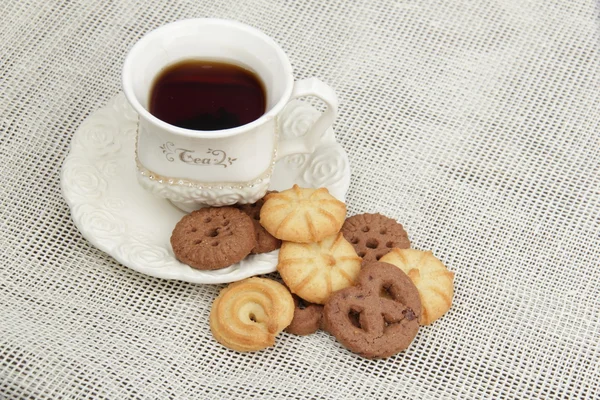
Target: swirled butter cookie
302, 215
432, 279
249, 314
315, 270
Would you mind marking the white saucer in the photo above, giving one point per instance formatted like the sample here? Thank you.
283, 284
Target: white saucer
116, 215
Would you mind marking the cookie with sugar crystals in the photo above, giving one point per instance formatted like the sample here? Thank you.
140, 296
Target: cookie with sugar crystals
302, 215
213, 238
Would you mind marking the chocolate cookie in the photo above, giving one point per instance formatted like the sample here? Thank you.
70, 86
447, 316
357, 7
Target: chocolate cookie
265, 242
307, 317
374, 235
213, 238
379, 316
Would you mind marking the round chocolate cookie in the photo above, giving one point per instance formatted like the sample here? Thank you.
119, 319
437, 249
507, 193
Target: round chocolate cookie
213, 238
265, 242
374, 235
379, 316
307, 317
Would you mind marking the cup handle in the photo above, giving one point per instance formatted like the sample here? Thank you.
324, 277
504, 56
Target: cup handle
309, 142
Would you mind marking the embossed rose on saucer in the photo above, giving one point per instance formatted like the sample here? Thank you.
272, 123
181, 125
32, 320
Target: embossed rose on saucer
119, 217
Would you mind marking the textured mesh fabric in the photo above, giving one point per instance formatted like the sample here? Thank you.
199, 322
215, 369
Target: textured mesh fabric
475, 124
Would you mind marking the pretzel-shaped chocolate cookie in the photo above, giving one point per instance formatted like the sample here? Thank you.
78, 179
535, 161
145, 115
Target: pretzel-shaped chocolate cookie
378, 317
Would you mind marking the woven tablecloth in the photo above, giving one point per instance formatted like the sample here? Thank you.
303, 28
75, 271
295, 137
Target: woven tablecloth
473, 123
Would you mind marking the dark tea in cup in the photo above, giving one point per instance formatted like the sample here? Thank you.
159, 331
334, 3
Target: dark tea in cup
230, 84
207, 95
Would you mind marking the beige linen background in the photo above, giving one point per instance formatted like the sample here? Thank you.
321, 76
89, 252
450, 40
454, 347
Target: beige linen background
474, 123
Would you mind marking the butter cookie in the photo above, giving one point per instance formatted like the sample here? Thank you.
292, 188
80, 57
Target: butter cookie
302, 215
249, 314
314, 270
433, 280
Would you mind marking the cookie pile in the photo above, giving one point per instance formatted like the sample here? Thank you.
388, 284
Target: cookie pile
356, 278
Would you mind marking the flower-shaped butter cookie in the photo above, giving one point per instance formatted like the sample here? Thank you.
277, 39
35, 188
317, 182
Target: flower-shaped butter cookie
302, 215
433, 280
314, 270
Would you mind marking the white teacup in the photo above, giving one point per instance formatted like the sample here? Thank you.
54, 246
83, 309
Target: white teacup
222, 167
